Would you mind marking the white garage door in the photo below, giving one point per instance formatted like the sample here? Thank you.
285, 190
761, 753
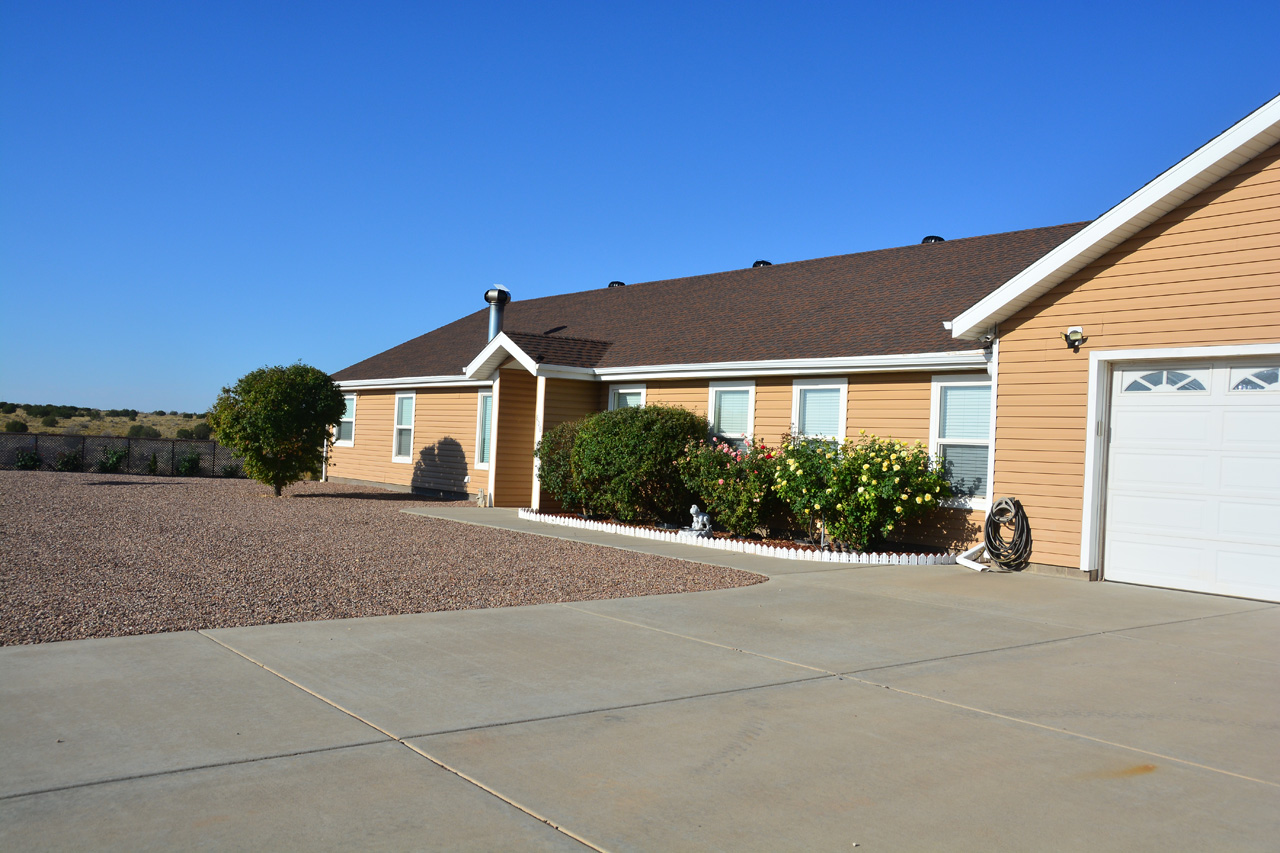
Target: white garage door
1193, 478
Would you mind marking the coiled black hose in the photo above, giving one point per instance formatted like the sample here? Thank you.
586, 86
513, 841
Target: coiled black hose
1015, 554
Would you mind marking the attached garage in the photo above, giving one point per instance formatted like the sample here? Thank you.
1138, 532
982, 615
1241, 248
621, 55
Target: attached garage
1137, 404
1193, 477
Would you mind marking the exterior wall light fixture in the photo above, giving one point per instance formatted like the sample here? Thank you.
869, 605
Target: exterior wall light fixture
1074, 337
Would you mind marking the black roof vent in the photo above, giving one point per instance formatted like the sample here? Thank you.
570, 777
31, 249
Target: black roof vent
762, 264
617, 284
933, 238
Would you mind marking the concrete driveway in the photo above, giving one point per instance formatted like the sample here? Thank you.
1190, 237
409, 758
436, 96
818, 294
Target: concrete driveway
891, 708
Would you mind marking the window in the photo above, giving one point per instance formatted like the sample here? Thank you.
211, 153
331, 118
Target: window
960, 427
402, 450
484, 429
732, 408
625, 396
1163, 380
818, 408
1255, 379
345, 434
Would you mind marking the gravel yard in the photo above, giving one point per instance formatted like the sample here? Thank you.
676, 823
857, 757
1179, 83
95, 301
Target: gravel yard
100, 555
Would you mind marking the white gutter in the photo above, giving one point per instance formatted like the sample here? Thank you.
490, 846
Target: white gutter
413, 382
962, 360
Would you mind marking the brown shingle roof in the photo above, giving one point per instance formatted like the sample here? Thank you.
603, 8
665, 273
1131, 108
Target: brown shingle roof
886, 302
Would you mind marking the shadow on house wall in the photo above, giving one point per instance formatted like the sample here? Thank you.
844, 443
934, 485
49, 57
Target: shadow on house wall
442, 467
951, 529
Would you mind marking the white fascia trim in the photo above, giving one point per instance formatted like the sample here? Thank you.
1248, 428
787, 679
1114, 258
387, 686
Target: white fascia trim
1098, 419
412, 382
495, 354
962, 360
1231, 149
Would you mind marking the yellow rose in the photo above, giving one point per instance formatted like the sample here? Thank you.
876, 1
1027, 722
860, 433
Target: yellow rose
897, 509
928, 497
919, 499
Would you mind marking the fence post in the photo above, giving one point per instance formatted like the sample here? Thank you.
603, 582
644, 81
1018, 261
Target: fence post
84, 451
173, 457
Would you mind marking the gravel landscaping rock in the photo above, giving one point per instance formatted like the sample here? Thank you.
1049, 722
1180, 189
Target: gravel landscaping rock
100, 555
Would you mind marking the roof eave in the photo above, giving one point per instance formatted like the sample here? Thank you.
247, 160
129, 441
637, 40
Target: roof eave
1231, 149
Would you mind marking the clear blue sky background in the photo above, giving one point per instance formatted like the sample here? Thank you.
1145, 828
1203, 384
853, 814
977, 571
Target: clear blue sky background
192, 190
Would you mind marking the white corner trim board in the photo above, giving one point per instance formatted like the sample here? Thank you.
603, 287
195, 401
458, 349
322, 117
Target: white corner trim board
741, 547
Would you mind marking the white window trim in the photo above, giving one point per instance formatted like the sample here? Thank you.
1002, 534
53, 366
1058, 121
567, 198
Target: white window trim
842, 384
395, 427
748, 385
350, 442
488, 392
625, 388
935, 427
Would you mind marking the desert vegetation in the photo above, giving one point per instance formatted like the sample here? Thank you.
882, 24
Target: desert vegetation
48, 418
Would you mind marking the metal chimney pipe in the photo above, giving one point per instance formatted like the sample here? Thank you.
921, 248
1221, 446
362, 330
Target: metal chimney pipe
497, 297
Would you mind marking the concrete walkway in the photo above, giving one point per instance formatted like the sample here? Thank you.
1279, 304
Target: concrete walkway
895, 708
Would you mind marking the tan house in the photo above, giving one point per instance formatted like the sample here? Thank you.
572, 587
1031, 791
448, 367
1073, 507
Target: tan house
1148, 455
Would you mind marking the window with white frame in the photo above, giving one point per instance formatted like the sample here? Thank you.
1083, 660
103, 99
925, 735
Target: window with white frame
818, 408
731, 406
344, 435
402, 442
625, 396
960, 435
484, 429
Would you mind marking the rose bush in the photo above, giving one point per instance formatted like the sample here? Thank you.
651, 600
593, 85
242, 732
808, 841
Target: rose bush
733, 485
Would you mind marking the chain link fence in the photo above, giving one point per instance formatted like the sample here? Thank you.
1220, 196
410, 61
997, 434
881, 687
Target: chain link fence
108, 454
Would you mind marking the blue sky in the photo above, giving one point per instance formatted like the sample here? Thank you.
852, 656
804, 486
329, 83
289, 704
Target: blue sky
189, 191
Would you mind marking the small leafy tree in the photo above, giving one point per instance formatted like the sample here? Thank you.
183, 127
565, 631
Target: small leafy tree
624, 462
278, 420
555, 464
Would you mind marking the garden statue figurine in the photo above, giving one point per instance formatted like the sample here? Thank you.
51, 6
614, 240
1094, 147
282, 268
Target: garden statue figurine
701, 522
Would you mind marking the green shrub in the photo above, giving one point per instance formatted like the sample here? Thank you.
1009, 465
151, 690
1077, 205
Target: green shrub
49, 421
186, 416
27, 460
159, 413
189, 464
69, 462
555, 464
112, 459
8, 408
202, 431
183, 432
142, 431
860, 491
95, 415
16, 426
153, 465
624, 462
232, 470
733, 485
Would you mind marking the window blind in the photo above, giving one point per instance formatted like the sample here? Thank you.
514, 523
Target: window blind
731, 413
819, 411
486, 421
966, 412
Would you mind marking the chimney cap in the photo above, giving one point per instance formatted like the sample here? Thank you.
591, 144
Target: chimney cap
933, 238
617, 284
762, 263
497, 295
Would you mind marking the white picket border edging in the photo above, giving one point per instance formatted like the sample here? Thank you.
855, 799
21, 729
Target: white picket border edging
740, 546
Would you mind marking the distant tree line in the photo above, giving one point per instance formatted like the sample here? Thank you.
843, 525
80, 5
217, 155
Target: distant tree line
50, 414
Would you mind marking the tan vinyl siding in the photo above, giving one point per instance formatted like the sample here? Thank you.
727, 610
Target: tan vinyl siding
514, 405
567, 400
691, 394
890, 405
443, 435
1207, 273
773, 409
